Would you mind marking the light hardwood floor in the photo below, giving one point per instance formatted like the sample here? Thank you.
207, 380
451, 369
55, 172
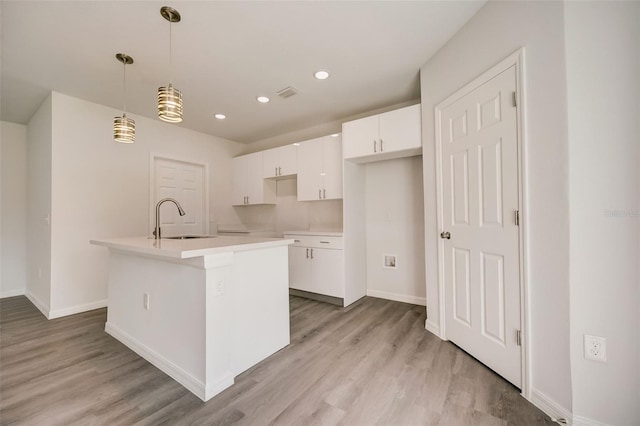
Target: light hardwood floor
369, 364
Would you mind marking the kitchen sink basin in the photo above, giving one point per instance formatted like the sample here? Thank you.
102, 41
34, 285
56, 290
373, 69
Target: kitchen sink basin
188, 237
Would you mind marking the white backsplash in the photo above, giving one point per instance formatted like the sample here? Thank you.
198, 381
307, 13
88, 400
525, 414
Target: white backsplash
290, 214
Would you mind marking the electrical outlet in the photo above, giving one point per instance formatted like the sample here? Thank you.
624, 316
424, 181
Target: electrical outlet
595, 348
389, 261
145, 301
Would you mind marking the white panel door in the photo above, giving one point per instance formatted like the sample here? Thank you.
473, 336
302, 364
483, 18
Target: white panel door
184, 182
479, 158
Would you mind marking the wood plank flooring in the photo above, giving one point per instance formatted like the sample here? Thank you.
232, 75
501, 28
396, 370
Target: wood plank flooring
369, 364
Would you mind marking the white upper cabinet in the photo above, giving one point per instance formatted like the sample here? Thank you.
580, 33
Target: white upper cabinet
389, 135
320, 169
249, 185
280, 162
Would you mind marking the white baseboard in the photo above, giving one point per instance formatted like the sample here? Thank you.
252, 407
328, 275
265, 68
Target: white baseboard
583, 421
12, 293
57, 313
175, 372
42, 307
433, 328
550, 407
422, 301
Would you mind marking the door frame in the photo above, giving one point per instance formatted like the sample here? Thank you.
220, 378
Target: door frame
205, 188
516, 59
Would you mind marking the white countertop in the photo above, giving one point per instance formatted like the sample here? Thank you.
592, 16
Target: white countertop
195, 247
328, 233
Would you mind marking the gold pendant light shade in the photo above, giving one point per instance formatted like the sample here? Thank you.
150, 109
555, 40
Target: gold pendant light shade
169, 104
170, 98
124, 129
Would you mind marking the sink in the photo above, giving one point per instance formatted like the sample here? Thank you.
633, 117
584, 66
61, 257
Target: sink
187, 237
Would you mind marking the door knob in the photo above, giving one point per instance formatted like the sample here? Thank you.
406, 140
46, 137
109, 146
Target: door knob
445, 235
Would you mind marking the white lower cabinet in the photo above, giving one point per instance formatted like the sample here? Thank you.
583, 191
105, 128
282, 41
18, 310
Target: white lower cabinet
316, 265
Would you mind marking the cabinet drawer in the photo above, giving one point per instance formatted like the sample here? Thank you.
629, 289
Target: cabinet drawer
316, 241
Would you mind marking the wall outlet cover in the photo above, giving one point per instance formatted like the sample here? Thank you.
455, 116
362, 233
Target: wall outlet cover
595, 348
389, 261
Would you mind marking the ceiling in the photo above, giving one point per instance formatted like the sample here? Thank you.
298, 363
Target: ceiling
225, 54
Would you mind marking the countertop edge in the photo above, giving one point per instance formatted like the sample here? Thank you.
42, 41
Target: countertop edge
187, 253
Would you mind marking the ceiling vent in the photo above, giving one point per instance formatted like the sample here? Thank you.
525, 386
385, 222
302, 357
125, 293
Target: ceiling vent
287, 92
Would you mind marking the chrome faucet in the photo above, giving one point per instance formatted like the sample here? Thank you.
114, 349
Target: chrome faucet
156, 231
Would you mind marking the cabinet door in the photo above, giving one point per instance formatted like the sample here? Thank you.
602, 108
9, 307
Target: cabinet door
239, 165
332, 168
255, 178
288, 160
299, 268
400, 129
281, 161
310, 169
360, 137
271, 162
328, 272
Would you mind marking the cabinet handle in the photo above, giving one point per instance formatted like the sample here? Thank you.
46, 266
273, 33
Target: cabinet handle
312, 253
319, 194
276, 171
280, 171
381, 149
374, 145
325, 242
296, 241
307, 253
324, 194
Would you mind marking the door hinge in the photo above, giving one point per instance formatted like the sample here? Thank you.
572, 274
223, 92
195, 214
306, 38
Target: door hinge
517, 217
519, 337
514, 99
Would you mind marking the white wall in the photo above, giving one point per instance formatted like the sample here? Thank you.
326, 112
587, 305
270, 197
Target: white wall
39, 206
496, 31
395, 225
603, 82
316, 131
100, 188
13, 240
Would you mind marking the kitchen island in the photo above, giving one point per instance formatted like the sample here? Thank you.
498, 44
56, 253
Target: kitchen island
202, 310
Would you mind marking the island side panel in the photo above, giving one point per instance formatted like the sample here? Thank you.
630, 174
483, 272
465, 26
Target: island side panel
261, 305
171, 332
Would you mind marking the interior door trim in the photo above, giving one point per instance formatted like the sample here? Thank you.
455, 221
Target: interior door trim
156, 156
516, 59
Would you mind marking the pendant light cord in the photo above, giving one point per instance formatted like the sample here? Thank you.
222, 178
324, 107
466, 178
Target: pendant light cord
124, 87
170, 51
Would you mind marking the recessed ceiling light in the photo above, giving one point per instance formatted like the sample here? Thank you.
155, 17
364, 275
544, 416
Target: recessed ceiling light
322, 75
262, 99
335, 135
296, 144
220, 116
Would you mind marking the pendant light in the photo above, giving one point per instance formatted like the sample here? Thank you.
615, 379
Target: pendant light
124, 128
170, 98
